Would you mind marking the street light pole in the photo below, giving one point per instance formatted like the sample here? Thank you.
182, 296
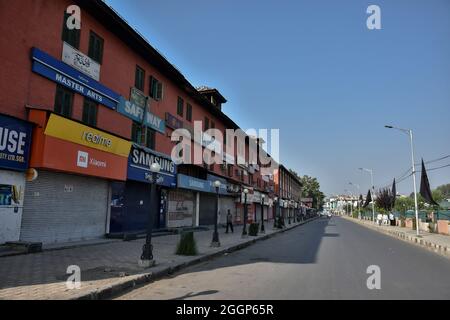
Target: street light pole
244, 229
372, 192
409, 132
274, 212
147, 250
215, 240
357, 201
262, 214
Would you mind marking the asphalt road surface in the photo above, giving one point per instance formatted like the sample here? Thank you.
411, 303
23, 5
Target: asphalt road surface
323, 259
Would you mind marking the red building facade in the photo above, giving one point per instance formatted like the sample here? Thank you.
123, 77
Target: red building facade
123, 66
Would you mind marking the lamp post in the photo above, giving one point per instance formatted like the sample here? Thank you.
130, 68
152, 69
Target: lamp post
244, 229
351, 201
262, 213
215, 239
275, 212
290, 212
409, 132
372, 192
357, 203
147, 250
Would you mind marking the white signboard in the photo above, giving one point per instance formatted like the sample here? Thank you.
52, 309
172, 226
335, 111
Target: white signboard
80, 61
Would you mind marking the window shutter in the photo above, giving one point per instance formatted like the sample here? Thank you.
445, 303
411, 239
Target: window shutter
160, 90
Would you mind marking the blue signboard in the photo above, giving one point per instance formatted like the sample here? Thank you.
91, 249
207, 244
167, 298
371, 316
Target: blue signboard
139, 163
61, 73
135, 112
15, 141
188, 182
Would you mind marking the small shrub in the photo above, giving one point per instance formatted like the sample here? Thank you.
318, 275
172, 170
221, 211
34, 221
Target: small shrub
253, 229
187, 245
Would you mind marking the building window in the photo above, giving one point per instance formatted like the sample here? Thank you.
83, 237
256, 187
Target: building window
136, 132
206, 123
139, 78
63, 101
180, 106
72, 37
213, 124
95, 47
188, 112
155, 89
150, 138
143, 135
90, 112
230, 170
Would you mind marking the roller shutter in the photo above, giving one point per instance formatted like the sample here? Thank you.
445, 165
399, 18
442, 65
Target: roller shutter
62, 207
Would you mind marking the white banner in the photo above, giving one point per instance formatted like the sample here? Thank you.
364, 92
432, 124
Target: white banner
80, 61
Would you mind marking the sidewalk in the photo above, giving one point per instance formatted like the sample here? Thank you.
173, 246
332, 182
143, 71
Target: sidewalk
436, 242
110, 267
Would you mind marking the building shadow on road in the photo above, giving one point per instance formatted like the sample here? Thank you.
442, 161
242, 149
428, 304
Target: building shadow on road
191, 294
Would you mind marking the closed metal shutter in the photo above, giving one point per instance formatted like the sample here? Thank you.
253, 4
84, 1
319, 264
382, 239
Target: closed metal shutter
181, 208
225, 204
207, 209
61, 207
257, 212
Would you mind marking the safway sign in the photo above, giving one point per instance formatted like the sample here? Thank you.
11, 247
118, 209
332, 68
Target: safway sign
15, 140
135, 112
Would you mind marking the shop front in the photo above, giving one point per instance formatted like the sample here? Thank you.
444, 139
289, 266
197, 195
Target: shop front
131, 200
204, 193
15, 144
69, 200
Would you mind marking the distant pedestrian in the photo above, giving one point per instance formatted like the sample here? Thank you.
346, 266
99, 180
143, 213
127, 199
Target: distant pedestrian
379, 219
392, 219
229, 222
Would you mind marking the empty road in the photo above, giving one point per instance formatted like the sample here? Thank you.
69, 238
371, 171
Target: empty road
324, 259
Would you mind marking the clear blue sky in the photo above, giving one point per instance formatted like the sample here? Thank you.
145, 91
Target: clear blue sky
314, 70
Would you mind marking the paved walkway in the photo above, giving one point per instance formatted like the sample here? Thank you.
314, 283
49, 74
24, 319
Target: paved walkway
436, 242
43, 275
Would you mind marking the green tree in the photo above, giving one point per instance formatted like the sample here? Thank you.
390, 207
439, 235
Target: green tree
403, 204
311, 189
445, 190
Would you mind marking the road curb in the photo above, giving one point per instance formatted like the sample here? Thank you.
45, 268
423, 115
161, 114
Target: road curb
429, 245
141, 279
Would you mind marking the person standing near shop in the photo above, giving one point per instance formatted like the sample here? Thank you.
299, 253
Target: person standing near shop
229, 222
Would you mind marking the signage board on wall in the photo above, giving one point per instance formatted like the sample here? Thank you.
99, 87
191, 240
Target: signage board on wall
138, 98
72, 131
136, 113
15, 140
181, 207
63, 74
70, 157
192, 183
141, 159
80, 61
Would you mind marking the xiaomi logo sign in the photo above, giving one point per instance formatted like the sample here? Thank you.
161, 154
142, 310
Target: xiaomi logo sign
82, 159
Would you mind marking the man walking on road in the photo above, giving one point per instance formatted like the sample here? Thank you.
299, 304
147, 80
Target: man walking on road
229, 221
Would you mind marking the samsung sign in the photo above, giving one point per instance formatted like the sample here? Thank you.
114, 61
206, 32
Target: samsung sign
62, 73
139, 163
15, 140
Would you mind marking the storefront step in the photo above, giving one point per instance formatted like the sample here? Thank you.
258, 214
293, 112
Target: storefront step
19, 247
128, 236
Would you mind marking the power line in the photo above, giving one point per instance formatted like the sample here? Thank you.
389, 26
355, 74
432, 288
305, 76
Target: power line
434, 160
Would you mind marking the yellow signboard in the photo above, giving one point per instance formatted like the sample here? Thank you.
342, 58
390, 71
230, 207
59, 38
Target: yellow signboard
75, 132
